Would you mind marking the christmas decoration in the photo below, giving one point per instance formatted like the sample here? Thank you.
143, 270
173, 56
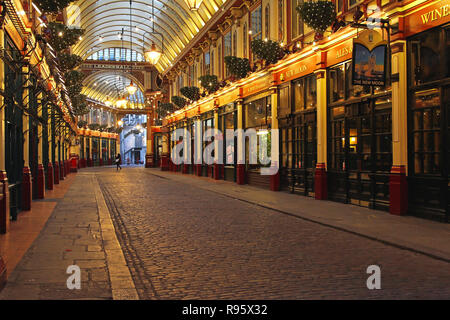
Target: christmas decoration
192, 93
94, 126
79, 105
67, 61
164, 109
318, 15
238, 67
267, 50
52, 6
337, 24
102, 127
180, 102
209, 83
82, 124
61, 37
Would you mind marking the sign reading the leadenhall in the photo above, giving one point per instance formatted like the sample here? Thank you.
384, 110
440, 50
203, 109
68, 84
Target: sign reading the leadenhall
258, 148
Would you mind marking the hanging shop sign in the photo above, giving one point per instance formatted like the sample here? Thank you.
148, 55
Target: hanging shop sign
433, 15
369, 59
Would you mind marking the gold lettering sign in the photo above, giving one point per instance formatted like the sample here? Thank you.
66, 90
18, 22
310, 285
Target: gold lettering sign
433, 15
343, 52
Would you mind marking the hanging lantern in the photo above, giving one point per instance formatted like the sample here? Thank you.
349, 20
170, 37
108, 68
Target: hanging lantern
193, 4
131, 88
152, 56
121, 102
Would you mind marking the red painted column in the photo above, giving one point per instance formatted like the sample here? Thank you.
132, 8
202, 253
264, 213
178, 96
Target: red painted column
26, 189
41, 182
56, 172
320, 182
3, 276
165, 162
198, 171
74, 164
218, 168
275, 182
4, 204
240, 174
185, 168
101, 162
50, 178
61, 171
398, 191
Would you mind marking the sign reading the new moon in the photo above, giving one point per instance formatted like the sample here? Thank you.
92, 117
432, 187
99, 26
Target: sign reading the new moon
369, 59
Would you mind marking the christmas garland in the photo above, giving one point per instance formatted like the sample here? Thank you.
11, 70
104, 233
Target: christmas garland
238, 67
180, 102
317, 15
209, 83
267, 50
94, 126
192, 93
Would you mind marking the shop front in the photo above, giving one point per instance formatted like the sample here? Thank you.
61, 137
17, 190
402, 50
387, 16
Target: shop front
228, 121
428, 53
298, 138
257, 115
359, 140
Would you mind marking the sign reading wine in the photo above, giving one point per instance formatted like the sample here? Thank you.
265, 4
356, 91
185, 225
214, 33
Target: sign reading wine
369, 59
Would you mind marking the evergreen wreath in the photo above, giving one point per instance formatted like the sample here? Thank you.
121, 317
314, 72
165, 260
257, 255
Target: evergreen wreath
238, 67
180, 102
192, 93
209, 83
267, 50
318, 15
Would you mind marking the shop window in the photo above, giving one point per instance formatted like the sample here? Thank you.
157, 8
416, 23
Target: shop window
427, 130
427, 57
297, 22
305, 93
258, 113
340, 84
284, 108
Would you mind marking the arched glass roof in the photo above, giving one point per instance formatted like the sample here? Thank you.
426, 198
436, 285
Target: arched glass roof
103, 86
117, 54
103, 20
110, 25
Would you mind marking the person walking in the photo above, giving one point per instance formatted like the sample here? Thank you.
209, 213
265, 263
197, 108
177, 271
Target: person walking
118, 161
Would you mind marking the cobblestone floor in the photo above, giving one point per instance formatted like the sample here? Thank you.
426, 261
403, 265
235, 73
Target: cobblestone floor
183, 243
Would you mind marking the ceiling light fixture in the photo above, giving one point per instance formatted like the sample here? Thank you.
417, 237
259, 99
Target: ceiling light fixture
131, 88
153, 55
